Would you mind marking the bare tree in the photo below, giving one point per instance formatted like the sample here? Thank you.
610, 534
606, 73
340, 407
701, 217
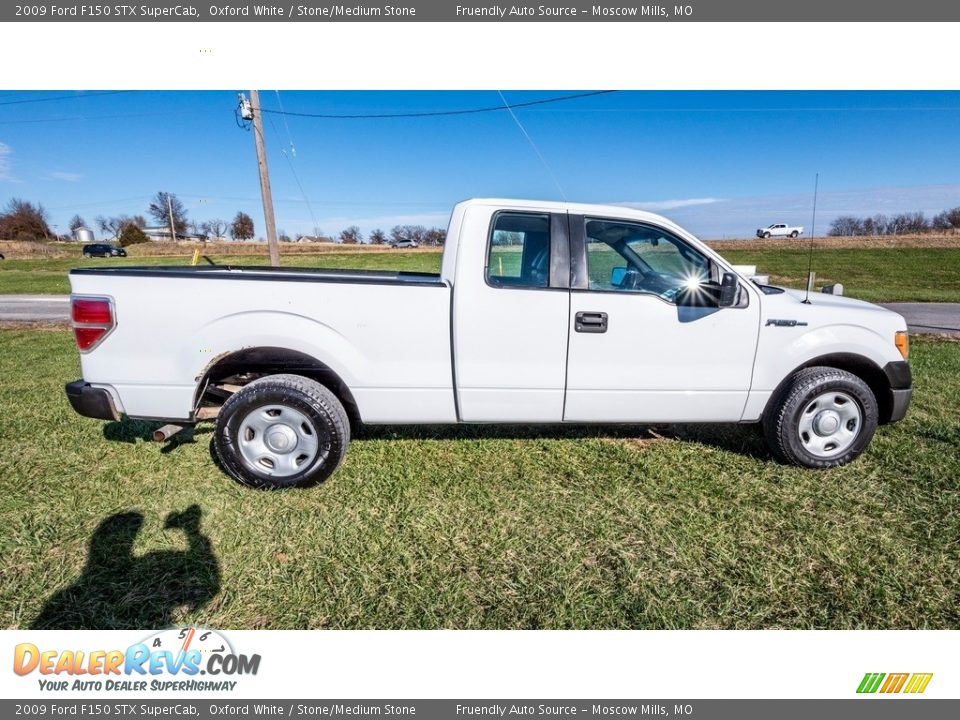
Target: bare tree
846, 225
435, 236
216, 228
115, 225
378, 237
161, 207
77, 223
198, 228
351, 236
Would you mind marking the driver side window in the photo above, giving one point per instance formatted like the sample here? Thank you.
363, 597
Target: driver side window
633, 257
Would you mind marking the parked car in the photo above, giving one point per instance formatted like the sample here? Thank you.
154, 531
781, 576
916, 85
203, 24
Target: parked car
542, 312
103, 250
401, 244
779, 230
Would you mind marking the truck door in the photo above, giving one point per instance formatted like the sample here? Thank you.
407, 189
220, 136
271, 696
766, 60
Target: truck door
647, 340
511, 310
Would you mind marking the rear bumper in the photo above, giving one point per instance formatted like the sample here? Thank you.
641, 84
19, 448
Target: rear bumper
901, 388
91, 401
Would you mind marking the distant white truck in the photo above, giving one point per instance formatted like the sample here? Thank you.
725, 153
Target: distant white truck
779, 230
541, 313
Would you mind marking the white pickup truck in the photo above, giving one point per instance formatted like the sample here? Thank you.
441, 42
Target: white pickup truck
542, 313
779, 230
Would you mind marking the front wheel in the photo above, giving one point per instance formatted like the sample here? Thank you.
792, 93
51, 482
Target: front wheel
282, 431
794, 234
823, 418
766, 236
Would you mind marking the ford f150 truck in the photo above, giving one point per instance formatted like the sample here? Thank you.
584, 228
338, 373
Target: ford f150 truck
542, 312
779, 230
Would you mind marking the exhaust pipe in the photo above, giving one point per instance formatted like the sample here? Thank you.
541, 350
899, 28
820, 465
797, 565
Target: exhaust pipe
166, 432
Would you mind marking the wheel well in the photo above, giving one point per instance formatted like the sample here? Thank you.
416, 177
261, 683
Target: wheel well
864, 368
236, 369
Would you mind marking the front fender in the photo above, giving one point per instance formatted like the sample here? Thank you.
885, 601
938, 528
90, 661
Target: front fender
783, 349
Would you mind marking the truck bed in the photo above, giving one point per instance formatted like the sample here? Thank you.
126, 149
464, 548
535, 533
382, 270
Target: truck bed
385, 334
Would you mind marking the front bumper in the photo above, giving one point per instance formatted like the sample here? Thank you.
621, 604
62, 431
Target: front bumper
901, 388
91, 401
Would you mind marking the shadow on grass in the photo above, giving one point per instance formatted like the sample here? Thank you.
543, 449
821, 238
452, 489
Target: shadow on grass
131, 431
740, 439
119, 590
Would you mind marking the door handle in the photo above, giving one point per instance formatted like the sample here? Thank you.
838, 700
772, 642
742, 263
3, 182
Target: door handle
591, 322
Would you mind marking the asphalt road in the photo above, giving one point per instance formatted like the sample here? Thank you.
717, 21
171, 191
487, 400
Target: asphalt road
35, 308
929, 317
921, 318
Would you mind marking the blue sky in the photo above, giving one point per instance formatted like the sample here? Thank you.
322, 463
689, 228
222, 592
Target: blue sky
720, 163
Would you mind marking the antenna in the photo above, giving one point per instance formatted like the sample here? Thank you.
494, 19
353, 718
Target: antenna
811, 276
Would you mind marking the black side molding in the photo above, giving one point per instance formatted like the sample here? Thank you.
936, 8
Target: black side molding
90, 401
898, 374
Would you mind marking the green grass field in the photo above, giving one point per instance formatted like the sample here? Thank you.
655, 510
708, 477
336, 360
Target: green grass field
877, 274
476, 527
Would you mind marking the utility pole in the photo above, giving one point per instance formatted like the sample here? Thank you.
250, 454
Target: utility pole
173, 229
264, 179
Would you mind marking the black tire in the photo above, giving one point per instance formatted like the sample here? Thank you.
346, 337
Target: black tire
87, 255
794, 234
766, 235
299, 395
794, 404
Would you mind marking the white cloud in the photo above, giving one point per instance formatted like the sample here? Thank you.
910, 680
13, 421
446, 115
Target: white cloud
669, 204
5, 152
66, 176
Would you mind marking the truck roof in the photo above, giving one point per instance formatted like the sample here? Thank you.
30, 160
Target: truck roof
579, 208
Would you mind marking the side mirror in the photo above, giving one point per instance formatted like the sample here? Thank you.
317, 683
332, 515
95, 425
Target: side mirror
729, 286
617, 276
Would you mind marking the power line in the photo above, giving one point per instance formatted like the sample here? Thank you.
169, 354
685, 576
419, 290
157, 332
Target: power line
75, 96
440, 113
294, 172
543, 160
87, 118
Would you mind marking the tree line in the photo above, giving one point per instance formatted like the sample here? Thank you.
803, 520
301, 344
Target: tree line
398, 233
912, 223
23, 220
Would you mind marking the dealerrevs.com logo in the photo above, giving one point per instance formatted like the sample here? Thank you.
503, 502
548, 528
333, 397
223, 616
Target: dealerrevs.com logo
170, 660
911, 683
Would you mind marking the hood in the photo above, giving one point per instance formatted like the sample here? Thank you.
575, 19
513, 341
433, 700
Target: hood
825, 309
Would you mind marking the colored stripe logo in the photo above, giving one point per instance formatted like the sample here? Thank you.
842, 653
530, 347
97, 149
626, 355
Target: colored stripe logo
913, 683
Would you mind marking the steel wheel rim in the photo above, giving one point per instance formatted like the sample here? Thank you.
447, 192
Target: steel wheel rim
278, 440
829, 424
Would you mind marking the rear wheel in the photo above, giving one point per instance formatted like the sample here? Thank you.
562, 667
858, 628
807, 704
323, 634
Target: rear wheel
282, 431
824, 418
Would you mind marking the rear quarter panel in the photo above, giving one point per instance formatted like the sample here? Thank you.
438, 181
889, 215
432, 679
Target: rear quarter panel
389, 343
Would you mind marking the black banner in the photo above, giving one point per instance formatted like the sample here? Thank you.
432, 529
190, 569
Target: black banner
449, 11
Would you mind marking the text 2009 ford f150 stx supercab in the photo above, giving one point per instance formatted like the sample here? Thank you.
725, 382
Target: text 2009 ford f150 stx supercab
542, 313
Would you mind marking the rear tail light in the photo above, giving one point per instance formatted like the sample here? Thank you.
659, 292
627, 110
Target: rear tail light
93, 319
